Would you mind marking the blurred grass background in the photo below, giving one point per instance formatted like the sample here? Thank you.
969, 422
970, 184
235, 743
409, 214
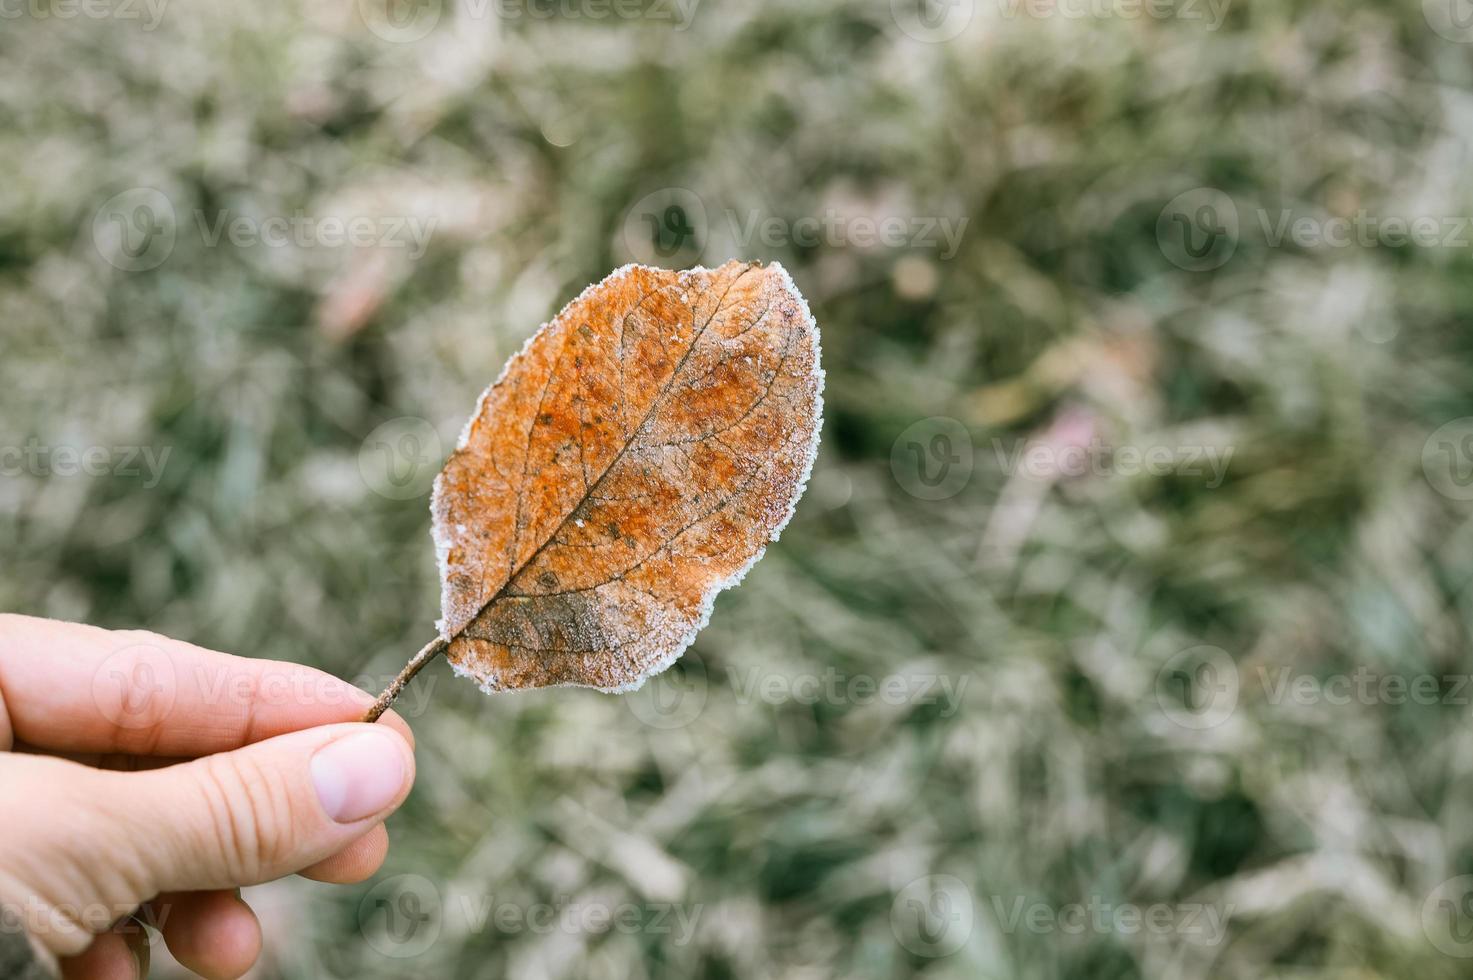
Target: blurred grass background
800, 837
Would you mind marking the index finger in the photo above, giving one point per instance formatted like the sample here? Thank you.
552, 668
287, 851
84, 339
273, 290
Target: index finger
67, 687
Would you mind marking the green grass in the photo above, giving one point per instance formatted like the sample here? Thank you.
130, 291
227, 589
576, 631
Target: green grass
788, 832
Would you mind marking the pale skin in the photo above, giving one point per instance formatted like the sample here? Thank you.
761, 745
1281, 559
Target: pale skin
142, 773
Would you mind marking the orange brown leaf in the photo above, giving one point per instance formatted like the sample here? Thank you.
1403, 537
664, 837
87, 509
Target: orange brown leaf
634, 459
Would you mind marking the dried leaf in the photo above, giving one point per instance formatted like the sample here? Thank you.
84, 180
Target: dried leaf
632, 461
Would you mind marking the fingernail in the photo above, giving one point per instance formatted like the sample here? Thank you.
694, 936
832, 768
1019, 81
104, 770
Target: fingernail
358, 776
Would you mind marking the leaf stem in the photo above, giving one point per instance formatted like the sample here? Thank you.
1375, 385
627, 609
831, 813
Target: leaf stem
429, 652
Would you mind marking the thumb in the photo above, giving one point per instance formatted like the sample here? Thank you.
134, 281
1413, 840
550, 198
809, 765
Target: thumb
265, 810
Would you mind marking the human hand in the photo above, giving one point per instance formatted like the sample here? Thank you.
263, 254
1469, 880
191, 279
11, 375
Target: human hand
139, 771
